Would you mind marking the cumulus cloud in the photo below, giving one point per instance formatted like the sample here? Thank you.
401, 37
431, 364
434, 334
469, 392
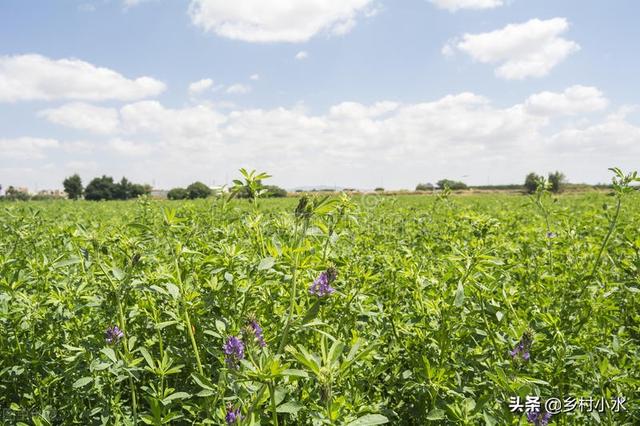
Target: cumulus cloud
200, 86
254, 77
302, 55
574, 100
356, 143
84, 116
276, 20
238, 89
35, 77
454, 5
530, 49
26, 148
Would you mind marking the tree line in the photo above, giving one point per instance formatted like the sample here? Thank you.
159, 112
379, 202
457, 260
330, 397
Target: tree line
554, 182
104, 188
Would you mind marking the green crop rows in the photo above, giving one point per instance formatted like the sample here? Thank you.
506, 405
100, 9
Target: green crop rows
431, 296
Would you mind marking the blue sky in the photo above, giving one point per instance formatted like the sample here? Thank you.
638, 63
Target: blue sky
385, 93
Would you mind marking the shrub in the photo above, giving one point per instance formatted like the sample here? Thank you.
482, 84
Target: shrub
177, 194
198, 190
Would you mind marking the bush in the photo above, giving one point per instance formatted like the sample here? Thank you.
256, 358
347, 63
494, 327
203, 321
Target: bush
198, 190
557, 181
273, 191
379, 189
451, 184
531, 182
177, 194
424, 187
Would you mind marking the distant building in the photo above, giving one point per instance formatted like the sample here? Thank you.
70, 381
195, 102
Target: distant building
159, 193
52, 192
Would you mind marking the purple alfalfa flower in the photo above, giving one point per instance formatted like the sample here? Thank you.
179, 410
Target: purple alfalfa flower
551, 234
538, 418
233, 350
322, 285
113, 335
257, 332
523, 347
233, 415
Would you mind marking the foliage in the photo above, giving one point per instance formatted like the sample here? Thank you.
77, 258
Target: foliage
424, 187
451, 184
104, 188
198, 190
273, 191
442, 309
531, 182
177, 194
13, 194
557, 181
73, 187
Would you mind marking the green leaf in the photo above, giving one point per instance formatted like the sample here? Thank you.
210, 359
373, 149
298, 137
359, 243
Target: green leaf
436, 414
459, 295
174, 396
369, 419
147, 357
295, 373
202, 381
110, 354
290, 407
82, 382
71, 261
266, 263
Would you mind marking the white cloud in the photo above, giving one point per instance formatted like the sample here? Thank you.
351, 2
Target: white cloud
302, 55
35, 77
356, 144
26, 148
129, 148
238, 89
200, 86
276, 20
83, 116
574, 100
454, 5
254, 77
530, 49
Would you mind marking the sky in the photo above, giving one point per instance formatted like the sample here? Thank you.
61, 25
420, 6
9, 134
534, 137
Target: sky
347, 93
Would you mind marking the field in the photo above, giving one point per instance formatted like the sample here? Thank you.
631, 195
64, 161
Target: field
444, 309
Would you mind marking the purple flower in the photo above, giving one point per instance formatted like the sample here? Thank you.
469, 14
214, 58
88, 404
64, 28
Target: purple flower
257, 331
523, 347
538, 419
551, 234
322, 285
113, 335
233, 415
233, 350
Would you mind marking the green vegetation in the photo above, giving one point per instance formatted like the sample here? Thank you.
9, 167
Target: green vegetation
451, 184
104, 188
372, 309
73, 187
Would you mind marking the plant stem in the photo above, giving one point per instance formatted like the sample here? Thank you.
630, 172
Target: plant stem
273, 403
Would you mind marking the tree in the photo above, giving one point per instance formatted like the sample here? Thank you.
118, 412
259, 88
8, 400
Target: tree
273, 191
177, 194
424, 187
557, 181
379, 189
531, 182
73, 187
14, 194
451, 184
101, 188
198, 190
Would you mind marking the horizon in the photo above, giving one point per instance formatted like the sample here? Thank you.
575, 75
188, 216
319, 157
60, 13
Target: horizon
357, 93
